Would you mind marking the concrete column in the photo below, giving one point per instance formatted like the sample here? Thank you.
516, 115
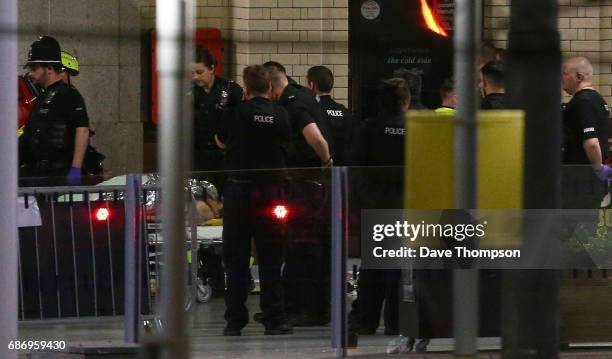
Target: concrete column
8, 176
173, 154
465, 281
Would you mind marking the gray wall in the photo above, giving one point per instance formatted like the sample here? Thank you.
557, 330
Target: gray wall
105, 36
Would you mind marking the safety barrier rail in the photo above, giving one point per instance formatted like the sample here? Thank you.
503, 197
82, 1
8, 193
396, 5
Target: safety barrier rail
93, 252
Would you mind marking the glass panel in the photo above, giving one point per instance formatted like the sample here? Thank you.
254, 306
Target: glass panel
414, 298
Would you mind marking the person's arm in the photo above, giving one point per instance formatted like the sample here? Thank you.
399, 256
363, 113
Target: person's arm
588, 127
283, 126
223, 133
593, 151
302, 119
315, 139
77, 118
80, 146
590, 140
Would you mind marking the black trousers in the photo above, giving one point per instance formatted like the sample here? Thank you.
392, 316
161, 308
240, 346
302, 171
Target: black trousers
307, 254
247, 215
376, 287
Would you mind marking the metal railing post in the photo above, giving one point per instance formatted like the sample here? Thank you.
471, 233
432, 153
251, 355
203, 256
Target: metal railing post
193, 265
8, 176
530, 298
132, 260
339, 237
173, 36
465, 281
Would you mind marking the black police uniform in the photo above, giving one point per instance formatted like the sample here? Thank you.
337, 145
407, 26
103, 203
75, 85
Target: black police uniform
303, 275
303, 110
209, 109
384, 147
337, 123
257, 135
494, 101
47, 145
586, 116
386, 140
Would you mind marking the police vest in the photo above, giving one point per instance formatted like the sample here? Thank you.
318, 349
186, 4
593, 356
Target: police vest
387, 140
49, 134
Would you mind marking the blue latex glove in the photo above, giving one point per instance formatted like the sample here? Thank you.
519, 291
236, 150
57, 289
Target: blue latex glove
74, 176
604, 173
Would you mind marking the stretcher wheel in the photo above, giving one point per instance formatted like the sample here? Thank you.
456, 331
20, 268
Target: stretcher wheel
203, 292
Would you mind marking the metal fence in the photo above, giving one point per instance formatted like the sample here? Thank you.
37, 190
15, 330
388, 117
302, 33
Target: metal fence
95, 252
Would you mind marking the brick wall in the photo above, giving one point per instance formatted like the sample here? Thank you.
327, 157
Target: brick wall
297, 33
303, 33
585, 27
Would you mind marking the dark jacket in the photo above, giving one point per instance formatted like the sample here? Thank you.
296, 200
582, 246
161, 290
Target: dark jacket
49, 133
336, 126
303, 110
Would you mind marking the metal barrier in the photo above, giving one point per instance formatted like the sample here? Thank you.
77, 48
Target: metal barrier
67, 283
339, 222
69, 263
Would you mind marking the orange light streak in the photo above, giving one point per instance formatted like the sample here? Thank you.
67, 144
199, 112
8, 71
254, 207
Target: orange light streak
430, 20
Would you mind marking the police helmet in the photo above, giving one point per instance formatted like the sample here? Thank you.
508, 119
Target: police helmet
70, 64
45, 50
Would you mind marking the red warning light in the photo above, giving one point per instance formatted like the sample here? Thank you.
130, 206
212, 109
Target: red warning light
280, 212
102, 214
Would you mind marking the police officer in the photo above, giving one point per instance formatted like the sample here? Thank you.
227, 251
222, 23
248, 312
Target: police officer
212, 95
279, 67
448, 97
385, 147
57, 131
309, 147
303, 273
386, 131
492, 86
586, 125
256, 135
336, 118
